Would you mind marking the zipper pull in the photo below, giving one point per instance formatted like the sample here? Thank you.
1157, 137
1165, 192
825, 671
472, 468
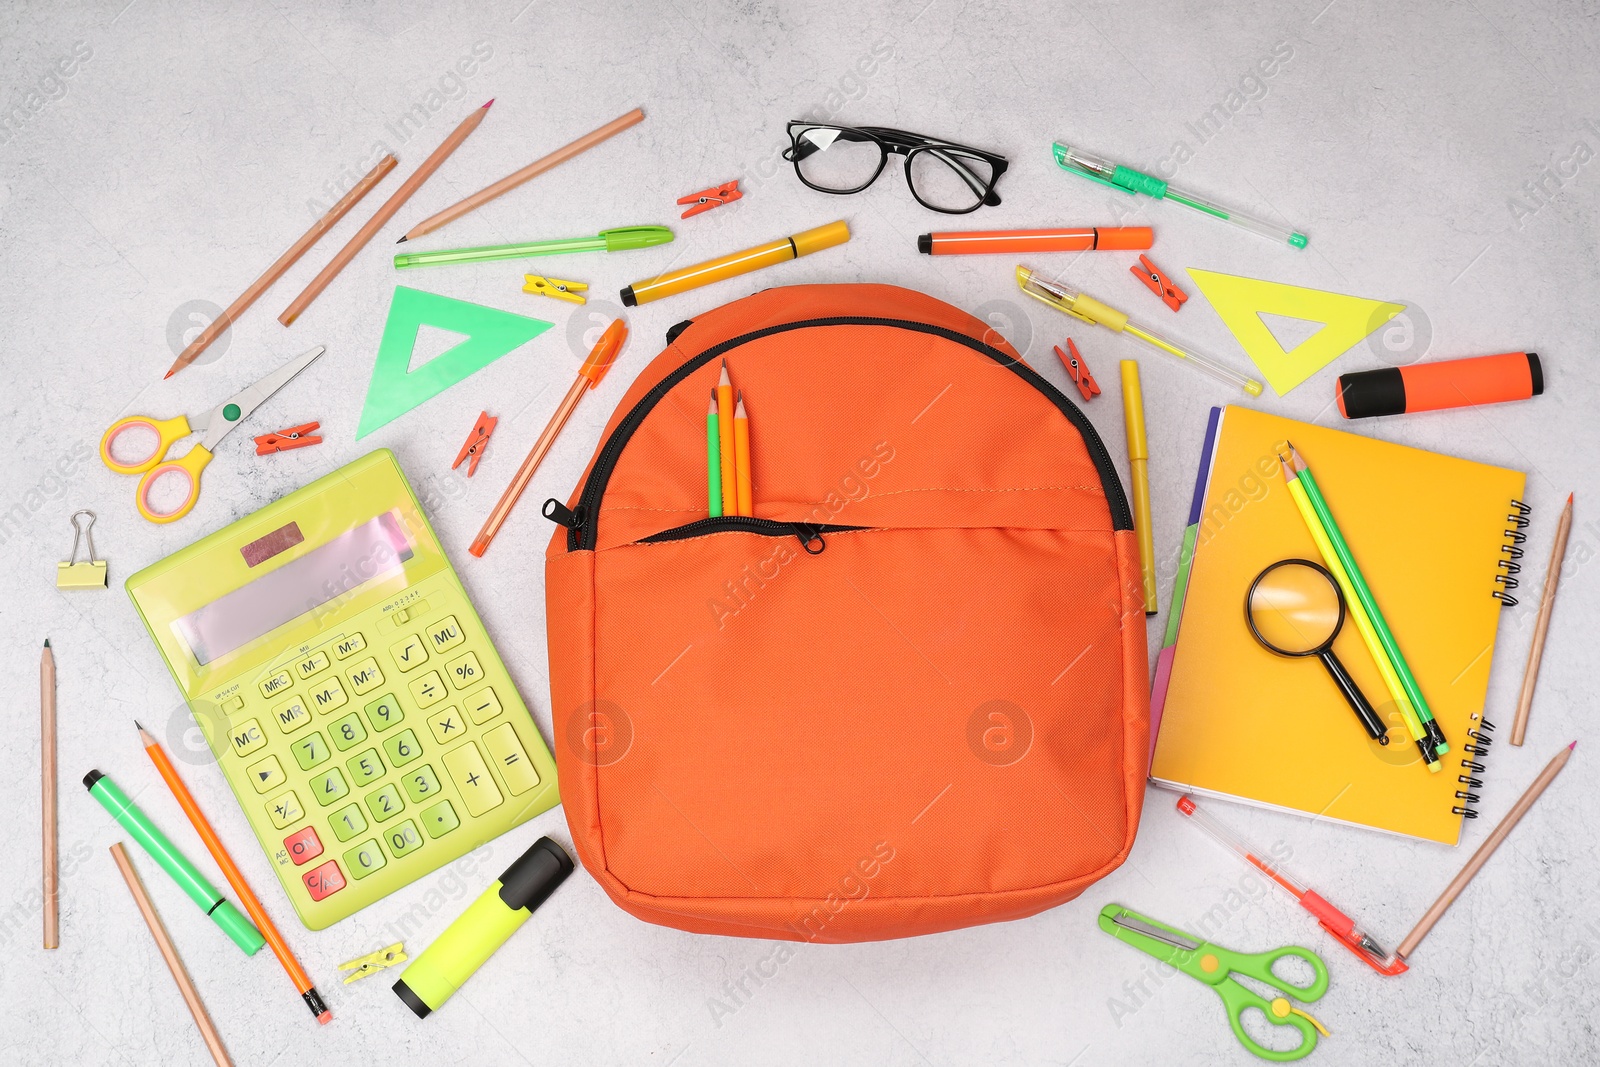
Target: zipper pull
810, 536
561, 515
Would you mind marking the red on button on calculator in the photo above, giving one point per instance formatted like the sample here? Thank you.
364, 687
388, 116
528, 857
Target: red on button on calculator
324, 881
303, 845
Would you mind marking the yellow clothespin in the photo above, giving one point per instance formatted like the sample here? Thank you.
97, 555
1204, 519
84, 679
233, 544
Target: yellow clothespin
542, 286
89, 574
374, 962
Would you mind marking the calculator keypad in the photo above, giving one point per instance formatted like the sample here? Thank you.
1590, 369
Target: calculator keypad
380, 753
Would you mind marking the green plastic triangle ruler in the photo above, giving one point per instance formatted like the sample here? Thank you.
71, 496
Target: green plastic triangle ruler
1240, 303
395, 388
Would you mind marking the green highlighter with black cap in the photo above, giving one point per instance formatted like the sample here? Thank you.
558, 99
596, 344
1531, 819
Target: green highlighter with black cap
175, 863
444, 967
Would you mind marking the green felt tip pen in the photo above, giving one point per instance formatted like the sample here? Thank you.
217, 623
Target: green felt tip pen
175, 863
433, 977
1130, 181
620, 239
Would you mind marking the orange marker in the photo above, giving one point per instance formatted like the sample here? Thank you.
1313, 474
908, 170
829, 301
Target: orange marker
1450, 383
594, 368
730, 488
258, 914
741, 456
1077, 239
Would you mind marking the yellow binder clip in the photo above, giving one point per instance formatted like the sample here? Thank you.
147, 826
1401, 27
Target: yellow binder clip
374, 962
542, 286
91, 573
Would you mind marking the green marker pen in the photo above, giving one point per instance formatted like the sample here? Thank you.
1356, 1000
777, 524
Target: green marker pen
1130, 181
433, 977
164, 852
621, 239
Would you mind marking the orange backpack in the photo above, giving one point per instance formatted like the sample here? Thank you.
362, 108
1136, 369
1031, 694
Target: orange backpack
910, 694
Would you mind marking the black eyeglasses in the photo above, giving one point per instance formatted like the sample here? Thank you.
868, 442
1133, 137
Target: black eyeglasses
944, 176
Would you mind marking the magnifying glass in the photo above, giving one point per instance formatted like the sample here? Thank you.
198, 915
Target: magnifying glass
1295, 608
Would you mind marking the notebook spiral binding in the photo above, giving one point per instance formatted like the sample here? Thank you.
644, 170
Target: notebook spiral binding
1472, 764
1507, 568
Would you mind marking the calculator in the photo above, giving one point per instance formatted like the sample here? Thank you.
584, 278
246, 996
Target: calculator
347, 689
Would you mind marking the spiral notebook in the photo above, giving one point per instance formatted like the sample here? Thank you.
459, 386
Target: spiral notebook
1438, 539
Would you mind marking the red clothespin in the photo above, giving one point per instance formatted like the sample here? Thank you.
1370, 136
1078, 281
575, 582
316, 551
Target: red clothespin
706, 199
477, 441
293, 437
1079, 371
1159, 283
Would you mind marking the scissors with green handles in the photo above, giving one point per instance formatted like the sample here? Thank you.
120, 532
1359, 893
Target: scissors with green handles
1216, 966
214, 426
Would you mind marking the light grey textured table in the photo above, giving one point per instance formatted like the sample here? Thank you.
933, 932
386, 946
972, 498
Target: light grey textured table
154, 154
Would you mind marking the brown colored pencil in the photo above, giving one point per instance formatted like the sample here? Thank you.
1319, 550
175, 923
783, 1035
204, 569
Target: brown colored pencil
283, 263
191, 996
1485, 850
47, 794
1547, 601
532, 170
383, 215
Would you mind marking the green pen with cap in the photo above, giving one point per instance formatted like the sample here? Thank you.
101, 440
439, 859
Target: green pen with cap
175, 863
1130, 181
620, 239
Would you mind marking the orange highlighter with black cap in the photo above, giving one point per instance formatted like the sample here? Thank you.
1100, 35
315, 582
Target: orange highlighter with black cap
1060, 239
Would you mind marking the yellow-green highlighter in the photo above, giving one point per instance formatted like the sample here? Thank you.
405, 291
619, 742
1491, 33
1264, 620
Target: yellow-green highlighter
488, 921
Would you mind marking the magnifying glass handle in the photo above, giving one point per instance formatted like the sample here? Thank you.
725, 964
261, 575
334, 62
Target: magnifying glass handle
1355, 697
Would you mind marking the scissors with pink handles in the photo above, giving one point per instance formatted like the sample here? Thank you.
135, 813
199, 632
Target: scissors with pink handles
213, 426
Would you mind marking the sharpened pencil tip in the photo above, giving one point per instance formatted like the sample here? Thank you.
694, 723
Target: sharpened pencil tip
167, 375
139, 725
401, 241
486, 106
1572, 746
1569, 501
47, 642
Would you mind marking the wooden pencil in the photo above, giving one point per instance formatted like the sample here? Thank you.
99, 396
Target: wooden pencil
383, 215
532, 170
191, 996
1547, 601
1485, 850
282, 264
47, 794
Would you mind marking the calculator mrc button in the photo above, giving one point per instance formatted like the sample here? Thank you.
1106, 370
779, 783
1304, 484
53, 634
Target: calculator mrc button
349, 645
322, 882
266, 774
409, 653
303, 845
446, 633
312, 664
466, 769
365, 676
276, 684
247, 737
506, 752
285, 809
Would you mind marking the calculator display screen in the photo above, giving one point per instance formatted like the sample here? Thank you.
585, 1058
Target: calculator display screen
375, 550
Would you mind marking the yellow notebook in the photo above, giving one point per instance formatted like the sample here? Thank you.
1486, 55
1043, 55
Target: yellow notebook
1430, 533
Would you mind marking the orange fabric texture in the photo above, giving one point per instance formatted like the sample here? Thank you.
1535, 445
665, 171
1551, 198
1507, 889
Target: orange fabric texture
789, 728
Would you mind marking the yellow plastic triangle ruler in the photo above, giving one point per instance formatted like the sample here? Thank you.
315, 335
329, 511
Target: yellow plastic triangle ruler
1240, 303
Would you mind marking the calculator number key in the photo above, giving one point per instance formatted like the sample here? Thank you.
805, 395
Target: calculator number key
402, 748
365, 858
421, 784
365, 676
464, 671
409, 654
303, 845
365, 768
266, 774
315, 663
310, 751
466, 769
385, 804
384, 712
506, 752
347, 732
446, 633
247, 737
428, 690
284, 809
329, 786
439, 819
347, 822
402, 839
324, 881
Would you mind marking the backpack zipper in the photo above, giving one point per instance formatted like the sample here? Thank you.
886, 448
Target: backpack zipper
809, 533
583, 533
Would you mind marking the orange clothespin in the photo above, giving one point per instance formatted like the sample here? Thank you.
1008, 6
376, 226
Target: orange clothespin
293, 437
1079, 371
706, 199
1159, 283
477, 441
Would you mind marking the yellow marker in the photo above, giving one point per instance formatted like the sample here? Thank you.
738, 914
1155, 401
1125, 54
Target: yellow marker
741, 456
1085, 307
730, 266
1139, 471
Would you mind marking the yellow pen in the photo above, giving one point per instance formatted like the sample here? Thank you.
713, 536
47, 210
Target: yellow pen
1139, 474
1085, 307
736, 263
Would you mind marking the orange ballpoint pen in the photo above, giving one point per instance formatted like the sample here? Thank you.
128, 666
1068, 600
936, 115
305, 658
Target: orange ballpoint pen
594, 368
